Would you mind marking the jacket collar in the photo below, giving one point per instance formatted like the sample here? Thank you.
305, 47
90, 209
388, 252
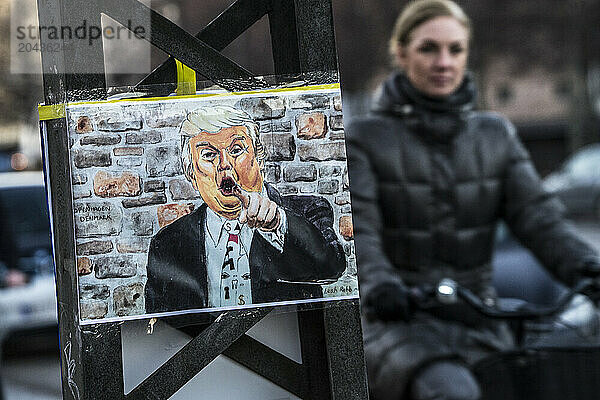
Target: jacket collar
435, 119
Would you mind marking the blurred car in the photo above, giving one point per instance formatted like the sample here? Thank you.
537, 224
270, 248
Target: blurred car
518, 274
33, 305
577, 182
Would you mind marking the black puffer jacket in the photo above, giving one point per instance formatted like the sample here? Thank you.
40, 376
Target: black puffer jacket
430, 180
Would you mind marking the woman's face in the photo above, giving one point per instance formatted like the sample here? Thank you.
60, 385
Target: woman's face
435, 57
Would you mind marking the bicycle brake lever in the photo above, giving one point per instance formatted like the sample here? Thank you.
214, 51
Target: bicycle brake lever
447, 291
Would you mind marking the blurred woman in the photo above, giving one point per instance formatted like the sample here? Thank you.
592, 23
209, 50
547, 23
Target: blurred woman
430, 179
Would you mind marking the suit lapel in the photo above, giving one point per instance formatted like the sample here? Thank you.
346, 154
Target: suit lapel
200, 251
193, 246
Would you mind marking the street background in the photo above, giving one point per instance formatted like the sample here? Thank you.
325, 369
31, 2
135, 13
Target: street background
536, 62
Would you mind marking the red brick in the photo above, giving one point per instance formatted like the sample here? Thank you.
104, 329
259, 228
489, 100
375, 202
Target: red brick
311, 126
171, 212
346, 228
84, 125
107, 185
84, 266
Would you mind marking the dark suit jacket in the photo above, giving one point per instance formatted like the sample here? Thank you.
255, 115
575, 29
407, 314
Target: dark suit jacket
177, 275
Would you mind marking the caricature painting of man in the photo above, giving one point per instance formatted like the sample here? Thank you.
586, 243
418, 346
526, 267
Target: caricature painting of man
247, 244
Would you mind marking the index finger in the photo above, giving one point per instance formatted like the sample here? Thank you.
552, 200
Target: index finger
242, 195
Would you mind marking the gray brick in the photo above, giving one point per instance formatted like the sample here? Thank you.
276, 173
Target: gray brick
143, 137
336, 122
129, 162
133, 245
330, 170
322, 151
120, 122
287, 189
157, 118
337, 135
79, 179
279, 146
310, 102
93, 309
347, 209
348, 249
92, 158
163, 161
181, 189
337, 103
328, 186
153, 198
342, 199
297, 173
272, 173
263, 108
81, 193
97, 219
345, 179
94, 247
129, 299
141, 223
115, 267
154, 186
275, 126
308, 188
94, 292
128, 151
100, 140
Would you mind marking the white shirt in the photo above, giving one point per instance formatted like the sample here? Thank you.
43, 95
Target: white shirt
217, 228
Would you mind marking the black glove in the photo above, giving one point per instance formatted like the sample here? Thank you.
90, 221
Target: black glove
390, 302
588, 276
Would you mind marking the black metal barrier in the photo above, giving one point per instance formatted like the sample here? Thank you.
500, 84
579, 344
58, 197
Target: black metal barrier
302, 38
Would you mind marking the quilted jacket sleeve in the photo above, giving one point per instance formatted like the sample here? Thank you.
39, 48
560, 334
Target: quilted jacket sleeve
536, 217
374, 266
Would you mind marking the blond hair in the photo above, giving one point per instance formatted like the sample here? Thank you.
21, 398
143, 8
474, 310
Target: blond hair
212, 120
420, 11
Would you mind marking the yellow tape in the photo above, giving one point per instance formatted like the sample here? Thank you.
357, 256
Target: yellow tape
186, 79
329, 86
53, 111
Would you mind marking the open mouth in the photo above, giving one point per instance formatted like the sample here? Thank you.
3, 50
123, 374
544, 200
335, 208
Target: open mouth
227, 186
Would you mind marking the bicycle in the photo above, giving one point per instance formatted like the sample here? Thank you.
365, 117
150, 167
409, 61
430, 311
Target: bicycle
558, 347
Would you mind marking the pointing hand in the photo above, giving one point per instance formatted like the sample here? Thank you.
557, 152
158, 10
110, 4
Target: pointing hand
258, 211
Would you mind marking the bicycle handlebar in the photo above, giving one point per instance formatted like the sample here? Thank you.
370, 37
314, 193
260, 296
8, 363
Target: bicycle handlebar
450, 292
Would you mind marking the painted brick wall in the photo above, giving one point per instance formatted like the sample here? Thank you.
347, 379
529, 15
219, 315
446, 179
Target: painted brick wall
128, 183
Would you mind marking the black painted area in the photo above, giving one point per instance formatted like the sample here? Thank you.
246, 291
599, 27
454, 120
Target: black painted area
218, 34
345, 349
270, 364
196, 355
102, 361
176, 42
314, 354
314, 24
284, 37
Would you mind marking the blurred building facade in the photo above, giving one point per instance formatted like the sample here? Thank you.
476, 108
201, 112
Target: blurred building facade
536, 62
19, 96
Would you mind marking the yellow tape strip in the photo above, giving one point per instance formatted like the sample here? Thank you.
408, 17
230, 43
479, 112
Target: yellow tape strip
53, 111
186, 79
54, 115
